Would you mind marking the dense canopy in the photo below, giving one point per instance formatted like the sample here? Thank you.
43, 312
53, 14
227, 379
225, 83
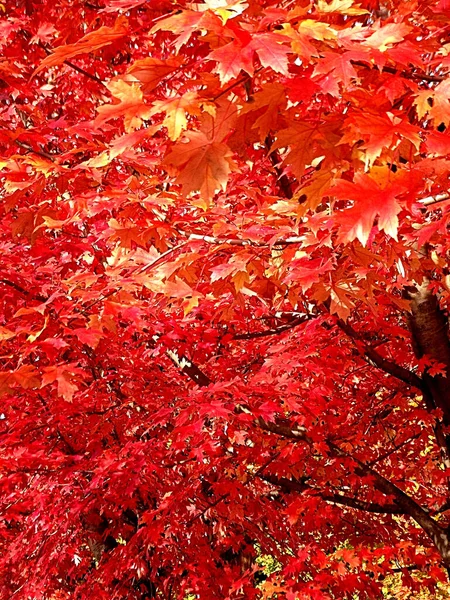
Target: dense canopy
224, 285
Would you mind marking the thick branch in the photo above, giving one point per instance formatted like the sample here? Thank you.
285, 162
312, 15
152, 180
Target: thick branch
382, 363
429, 328
405, 503
290, 485
290, 431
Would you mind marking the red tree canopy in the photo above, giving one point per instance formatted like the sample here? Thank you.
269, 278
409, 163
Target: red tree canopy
223, 295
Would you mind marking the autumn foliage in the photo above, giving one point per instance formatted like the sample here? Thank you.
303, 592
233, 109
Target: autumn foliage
224, 286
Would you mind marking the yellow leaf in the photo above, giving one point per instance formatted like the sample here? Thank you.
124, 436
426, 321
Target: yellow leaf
176, 110
226, 9
40, 164
317, 30
6, 334
34, 336
345, 7
392, 33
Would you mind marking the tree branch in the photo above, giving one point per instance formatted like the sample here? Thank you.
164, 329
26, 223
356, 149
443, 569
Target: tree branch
274, 331
430, 200
283, 180
210, 239
40, 153
405, 74
382, 363
85, 73
290, 431
233, 85
289, 485
77, 69
394, 449
405, 503
21, 290
408, 505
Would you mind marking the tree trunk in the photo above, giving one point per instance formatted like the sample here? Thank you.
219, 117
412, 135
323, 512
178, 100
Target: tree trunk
429, 326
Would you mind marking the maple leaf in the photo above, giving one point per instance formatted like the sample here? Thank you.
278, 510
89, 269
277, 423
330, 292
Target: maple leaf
122, 143
131, 106
185, 23
307, 272
385, 36
370, 201
346, 7
341, 68
438, 143
88, 43
28, 377
149, 72
6, 334
271, 51
176, 110
434, 103
303, 139
91, 337
64, 376
179, 273
226, 9
202, 165
378, 133
45, 33
231, 59
268, 102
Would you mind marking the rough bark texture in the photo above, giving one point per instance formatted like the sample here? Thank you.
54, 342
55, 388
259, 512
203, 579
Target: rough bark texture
429, 326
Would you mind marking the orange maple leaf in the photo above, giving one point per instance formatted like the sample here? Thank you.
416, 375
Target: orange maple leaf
203, 165
149, 71
176, 109
131, 106
88, 43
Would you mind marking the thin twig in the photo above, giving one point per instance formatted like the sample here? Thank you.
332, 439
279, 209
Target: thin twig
21, 290
41, 153
237, 82
405, 74
394, 449
86, 74
210, 239
77, 68
274, 331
